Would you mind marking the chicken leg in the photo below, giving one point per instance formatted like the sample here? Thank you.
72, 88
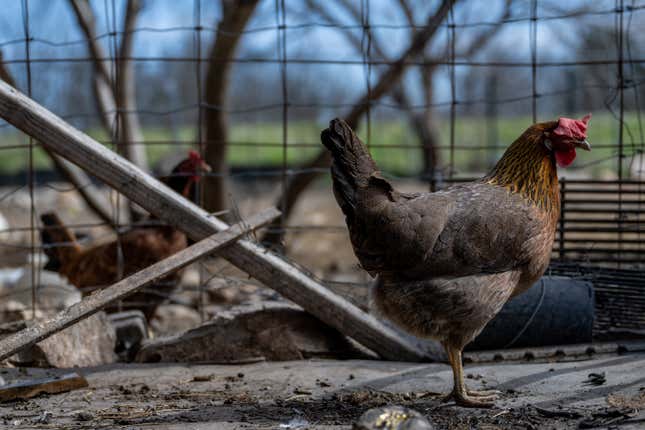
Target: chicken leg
460, 393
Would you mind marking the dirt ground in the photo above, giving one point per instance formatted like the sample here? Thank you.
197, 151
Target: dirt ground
324, 394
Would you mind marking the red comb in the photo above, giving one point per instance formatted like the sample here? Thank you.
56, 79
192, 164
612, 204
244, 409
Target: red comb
194, 155
573, 128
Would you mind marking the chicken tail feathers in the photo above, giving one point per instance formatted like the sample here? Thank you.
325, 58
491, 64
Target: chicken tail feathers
59, 242
352, 166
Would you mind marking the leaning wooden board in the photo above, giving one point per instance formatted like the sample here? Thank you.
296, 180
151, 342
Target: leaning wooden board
269, 268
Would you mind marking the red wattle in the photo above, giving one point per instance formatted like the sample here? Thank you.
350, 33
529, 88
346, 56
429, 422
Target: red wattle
565, 158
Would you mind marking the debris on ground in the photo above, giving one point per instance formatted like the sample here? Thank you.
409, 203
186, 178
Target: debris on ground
596, 379
288, 395
559, 413
607, 418
28, 388
296, 423
622, 401
373, 398
272, 332
392, 418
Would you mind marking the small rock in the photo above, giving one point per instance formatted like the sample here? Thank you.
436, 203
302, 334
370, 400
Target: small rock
202, 378
392, 418
296, 423
84, 416
53, 292
173, 319
13, 311
44, 417
89, 342
596, 379
7, 236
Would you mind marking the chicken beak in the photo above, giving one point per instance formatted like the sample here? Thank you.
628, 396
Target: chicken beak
583, 144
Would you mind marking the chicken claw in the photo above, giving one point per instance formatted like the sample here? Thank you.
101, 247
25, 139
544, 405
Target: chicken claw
465, 400
494, 394
460, 393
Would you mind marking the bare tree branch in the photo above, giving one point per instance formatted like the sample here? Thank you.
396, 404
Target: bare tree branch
73, 174
296, 185
83, 184
236, 14
131, 133
116, 95
422, 121
352, 36
102, 82
407, 11
87, 23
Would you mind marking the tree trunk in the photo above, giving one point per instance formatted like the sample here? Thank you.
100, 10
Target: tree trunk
236, 14
427, 133
116, 95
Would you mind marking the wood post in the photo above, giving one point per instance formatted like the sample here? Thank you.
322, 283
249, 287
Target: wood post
101, 298
267, 267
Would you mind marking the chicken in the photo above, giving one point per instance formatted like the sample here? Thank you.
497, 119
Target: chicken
446, 262
102, 265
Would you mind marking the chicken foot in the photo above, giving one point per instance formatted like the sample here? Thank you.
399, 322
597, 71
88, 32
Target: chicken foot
483, 393
460, 393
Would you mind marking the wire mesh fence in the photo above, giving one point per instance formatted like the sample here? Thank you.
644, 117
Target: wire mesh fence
437, 90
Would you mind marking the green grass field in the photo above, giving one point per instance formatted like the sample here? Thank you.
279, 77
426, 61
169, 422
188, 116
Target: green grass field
260, 144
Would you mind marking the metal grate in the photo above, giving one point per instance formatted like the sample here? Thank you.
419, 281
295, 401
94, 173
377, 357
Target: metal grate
620, 298
602, 222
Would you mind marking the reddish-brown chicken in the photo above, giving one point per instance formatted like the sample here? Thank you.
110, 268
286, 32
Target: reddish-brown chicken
446, 262
100, 266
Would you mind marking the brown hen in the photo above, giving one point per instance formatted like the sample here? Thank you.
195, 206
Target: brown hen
102, 265
446, 262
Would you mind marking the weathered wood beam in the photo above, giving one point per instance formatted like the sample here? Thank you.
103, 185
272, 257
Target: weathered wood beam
103, 297
267, 267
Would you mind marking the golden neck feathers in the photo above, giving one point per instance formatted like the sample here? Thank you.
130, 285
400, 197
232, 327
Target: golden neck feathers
528, 168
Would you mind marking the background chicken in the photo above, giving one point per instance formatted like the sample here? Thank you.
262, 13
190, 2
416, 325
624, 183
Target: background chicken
446, 262
101, 265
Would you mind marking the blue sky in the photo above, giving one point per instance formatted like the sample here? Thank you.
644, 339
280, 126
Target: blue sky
53, 21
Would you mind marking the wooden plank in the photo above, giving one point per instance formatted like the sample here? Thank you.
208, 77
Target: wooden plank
267, 267
34, 387
101, 298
